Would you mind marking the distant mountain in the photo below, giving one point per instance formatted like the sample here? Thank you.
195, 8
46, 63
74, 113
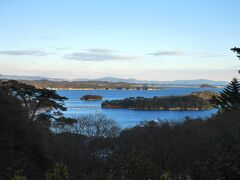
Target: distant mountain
29, 78
130, 80
83, 79
109, 79
195, 82
113, 79
175, 82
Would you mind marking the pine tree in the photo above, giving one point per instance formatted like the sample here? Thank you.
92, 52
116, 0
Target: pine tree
229, 98
237, 50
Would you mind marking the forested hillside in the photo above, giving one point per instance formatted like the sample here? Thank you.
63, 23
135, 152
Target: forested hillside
194, 101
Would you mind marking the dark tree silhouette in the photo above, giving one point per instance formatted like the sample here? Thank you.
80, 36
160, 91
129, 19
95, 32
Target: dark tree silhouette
34, 99
229, 98
237, 50
21, 146
92, 125
49, 100
22, 91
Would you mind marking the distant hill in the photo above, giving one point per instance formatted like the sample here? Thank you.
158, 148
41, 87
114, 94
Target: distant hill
196, 82
28, 78
112, 79
175, 82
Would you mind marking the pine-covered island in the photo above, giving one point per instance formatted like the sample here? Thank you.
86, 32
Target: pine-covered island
194, 101
91, 98
207, 86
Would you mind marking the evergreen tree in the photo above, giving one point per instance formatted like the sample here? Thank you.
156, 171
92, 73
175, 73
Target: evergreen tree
229, 98
35, 99
237, 50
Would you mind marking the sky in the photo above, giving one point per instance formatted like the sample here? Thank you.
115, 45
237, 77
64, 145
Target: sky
148, 40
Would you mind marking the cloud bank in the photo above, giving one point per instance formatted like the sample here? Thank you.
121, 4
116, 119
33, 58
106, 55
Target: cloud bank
183, 53
100, 50
95, 54
169, 53
25, 53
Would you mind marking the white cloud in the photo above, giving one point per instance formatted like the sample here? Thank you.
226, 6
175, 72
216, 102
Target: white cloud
25, 53
100, 50
184, 53
169, 53
96, 54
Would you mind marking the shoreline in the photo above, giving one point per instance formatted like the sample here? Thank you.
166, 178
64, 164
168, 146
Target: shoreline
163, 88
161, 109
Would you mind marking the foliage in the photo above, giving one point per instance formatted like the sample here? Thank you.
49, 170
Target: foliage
92, 125
229, 98
59, 172
20, 90
237, 50
91, 97
131, 165
187, 102
20, 144
18, 176
35, 100
86, 85
206, 86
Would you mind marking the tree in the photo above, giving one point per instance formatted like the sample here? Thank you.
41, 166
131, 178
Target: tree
34, 99
21, 146
48, 100
59, 172
92, 125
229, 98
97, 125
131, 165
237, 50
22, 91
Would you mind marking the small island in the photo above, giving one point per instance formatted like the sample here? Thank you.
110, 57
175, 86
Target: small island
194, 101
91, 98
206, 86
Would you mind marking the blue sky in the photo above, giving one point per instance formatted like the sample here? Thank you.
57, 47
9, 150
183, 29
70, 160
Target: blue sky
152, 40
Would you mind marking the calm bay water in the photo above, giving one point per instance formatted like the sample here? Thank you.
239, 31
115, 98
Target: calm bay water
125, 117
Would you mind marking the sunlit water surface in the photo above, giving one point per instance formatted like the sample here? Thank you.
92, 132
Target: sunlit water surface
125, 117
